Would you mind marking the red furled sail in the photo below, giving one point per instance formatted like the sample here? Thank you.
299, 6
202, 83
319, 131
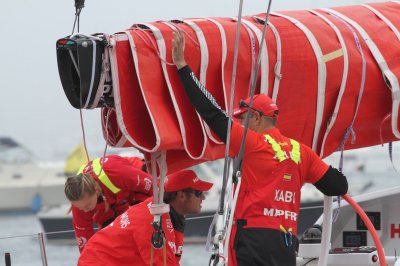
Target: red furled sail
334, 74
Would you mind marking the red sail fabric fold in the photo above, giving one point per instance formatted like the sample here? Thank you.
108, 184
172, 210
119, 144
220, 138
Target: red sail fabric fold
331, 71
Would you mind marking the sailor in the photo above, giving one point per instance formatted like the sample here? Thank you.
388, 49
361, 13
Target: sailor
103, 189
273, 171
127, 241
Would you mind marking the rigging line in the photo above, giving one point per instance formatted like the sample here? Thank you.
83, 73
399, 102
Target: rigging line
230, 111
75, 20
59, 232
176, 23
350, 129
83, 134
153, 46
390, 143
18, 236
253, 84
102, 160
199, 218
228, 222
79, 5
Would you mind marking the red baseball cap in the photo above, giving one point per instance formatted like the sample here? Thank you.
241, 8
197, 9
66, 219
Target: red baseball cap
185, 179
261, 103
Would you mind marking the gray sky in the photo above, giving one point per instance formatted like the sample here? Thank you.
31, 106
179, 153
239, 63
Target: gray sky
34, 109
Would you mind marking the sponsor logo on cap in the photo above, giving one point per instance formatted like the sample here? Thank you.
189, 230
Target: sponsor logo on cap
237, 111
196, 179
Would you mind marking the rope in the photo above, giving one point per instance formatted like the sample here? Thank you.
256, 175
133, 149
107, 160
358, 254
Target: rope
158, 207
164, 254
238, 165
350, 130
252, 91
198, 218
79, 5
105, 148
230, 111
390, 143
220, 230
253, 51
153, 46
176, 25
108, 127
84, 135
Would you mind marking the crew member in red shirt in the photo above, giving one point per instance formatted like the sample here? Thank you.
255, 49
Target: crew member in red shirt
103, 189
127, 241
273, 171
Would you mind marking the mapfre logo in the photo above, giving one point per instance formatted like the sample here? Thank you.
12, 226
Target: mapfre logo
124, 222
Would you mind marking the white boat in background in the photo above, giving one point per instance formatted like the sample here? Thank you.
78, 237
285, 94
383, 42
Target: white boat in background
26, 184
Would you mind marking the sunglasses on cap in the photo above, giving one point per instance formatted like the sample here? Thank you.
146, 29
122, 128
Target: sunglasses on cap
243, 104
197, 193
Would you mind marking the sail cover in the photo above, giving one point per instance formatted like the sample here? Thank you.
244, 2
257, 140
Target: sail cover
334, 74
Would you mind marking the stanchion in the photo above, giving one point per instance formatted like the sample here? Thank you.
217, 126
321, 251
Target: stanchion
7, 258
42, 249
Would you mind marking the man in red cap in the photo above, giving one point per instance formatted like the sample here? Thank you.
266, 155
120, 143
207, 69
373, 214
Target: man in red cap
127, 241
274, 169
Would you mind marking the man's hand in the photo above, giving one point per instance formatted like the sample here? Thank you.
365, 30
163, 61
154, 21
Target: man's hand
178, 45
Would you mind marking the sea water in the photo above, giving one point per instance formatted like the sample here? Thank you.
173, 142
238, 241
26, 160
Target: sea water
19, 237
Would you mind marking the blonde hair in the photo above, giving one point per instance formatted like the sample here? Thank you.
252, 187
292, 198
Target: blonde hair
77, 186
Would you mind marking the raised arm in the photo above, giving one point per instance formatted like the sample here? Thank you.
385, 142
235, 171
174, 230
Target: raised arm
201, 99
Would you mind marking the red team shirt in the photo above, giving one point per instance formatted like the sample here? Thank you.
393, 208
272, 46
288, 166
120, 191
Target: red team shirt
266, 199
134, 184
259, 156
127, 241
263, 194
